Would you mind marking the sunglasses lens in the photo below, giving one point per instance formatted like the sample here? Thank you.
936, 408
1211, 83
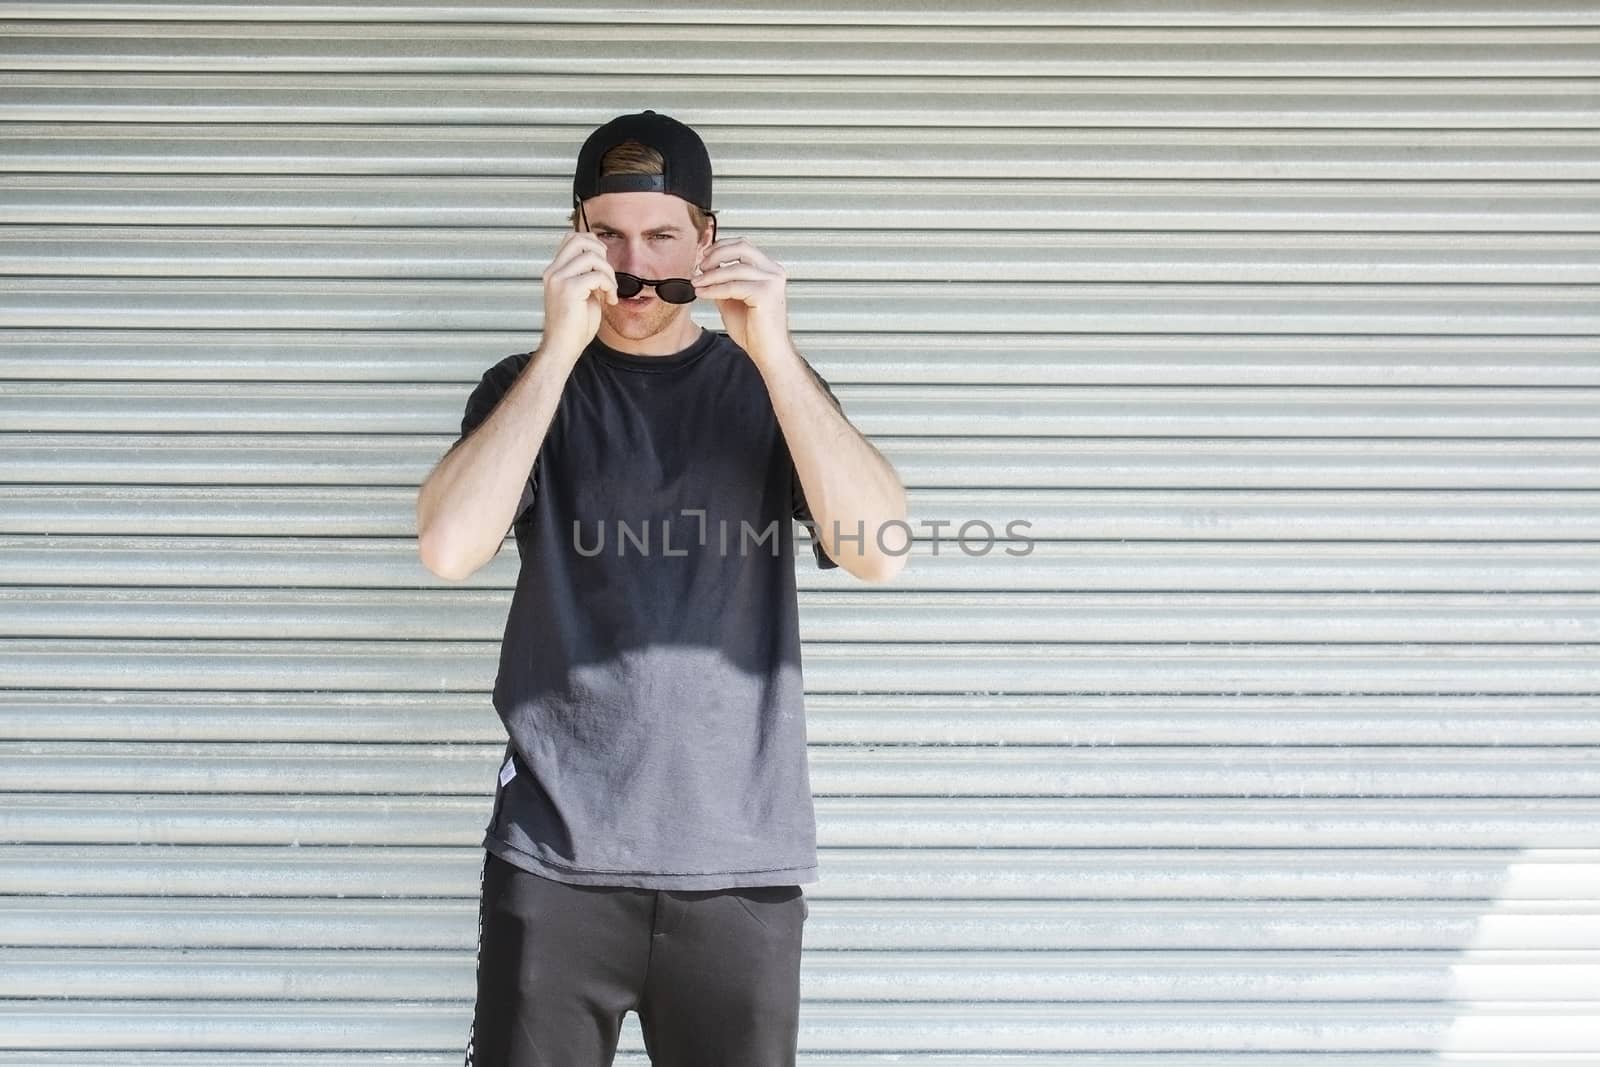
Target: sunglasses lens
628, 284
676, 291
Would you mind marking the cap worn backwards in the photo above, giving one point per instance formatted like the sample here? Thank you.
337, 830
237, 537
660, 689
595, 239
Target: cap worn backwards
685, 161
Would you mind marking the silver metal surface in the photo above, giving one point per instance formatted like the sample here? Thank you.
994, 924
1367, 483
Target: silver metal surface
1278, 327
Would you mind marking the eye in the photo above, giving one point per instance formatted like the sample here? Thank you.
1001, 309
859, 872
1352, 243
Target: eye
663, 236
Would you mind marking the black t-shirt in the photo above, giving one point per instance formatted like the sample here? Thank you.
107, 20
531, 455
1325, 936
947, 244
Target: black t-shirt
650, 678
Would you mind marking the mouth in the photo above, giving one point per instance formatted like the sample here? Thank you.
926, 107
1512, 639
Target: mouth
636, 301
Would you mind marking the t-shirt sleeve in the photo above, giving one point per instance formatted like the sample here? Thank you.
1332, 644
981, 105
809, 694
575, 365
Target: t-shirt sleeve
481, 404
802, 510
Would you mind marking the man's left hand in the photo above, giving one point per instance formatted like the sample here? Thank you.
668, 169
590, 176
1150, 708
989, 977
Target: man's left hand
751, 292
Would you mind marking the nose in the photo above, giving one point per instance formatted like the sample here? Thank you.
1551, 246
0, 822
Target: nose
630, 257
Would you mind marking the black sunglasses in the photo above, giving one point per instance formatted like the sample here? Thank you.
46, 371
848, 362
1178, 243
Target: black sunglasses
672, 290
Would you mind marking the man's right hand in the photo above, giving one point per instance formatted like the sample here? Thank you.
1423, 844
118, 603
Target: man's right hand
577, 280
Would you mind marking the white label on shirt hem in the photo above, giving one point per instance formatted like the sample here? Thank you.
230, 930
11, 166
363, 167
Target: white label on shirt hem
509, 771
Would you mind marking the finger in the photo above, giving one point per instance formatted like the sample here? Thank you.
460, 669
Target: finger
735, 250
587, 245
730, 273
587, 235
716, 252
598, 282
583, 261
591, 277
736, 271
735, 290
578, 237
574, 244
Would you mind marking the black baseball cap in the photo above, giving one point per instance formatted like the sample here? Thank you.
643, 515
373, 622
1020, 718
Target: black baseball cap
685, 161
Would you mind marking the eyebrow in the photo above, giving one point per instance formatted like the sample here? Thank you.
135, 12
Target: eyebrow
657, 229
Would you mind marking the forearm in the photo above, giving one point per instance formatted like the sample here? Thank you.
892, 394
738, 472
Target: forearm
852, 490
466, 505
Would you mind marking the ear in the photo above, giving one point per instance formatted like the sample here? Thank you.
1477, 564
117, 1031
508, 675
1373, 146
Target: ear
707, 239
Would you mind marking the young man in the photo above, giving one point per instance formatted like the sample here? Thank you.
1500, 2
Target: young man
653, 822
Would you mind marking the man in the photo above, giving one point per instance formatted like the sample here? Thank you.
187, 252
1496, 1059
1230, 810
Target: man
653, 820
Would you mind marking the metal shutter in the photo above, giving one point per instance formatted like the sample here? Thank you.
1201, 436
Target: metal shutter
1277, 322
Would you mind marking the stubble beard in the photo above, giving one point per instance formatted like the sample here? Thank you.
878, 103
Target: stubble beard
656, 318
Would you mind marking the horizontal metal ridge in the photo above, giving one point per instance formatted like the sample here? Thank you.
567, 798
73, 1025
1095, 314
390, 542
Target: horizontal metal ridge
1095, 565
1476, 1026
1132, 720
115, 123
908, 410
837, 923
880, 615
201, 303
789, 207
149, 814
1485, 875
717, 76
1461, 14
1149, 461
895, 250
90, 767
69, 353
979, 976
1138, 51
901, 667
1130, 514
634, 1056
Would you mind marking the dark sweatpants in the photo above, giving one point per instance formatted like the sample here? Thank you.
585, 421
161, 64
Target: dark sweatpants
714, 974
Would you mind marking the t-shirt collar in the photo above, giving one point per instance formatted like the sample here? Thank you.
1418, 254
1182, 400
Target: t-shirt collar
674, 361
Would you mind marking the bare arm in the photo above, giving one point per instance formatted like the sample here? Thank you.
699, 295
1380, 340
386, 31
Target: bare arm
852, 490
466, 505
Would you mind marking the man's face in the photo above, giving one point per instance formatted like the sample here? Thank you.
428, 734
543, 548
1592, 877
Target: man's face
651, 235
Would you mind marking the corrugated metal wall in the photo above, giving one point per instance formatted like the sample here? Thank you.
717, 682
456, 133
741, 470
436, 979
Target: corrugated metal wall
1278, 322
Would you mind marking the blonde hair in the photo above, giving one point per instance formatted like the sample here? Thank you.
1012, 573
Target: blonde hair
631, 157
